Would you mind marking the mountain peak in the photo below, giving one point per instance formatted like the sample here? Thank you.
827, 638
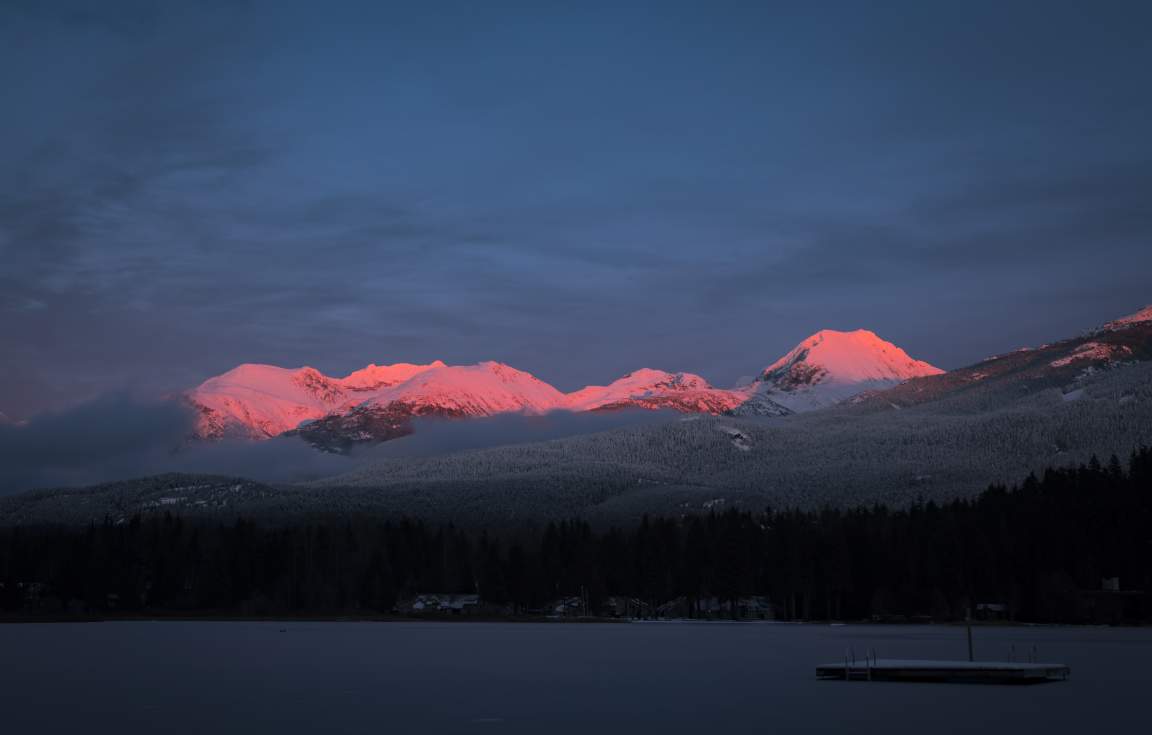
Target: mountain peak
831, 356
376, 376
249, 370
842, 334
482, 389
664, 379
655, 389
831, 366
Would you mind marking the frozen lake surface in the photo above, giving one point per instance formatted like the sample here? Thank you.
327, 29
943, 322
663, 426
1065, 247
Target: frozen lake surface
242, 677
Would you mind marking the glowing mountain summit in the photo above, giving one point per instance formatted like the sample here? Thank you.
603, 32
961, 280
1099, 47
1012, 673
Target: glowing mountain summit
656, 389
829, 367
260, 401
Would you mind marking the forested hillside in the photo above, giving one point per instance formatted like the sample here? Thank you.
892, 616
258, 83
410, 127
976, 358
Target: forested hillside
1040, 549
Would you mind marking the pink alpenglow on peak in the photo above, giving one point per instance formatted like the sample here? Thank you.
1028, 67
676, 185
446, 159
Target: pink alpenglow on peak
261, 401
656, 389
381, 376
850, 357
830, 367
473, 390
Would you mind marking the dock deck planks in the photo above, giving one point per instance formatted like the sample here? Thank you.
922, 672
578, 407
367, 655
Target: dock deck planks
969, 672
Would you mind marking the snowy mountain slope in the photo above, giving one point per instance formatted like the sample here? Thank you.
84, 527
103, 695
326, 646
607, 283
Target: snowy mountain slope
1060, 365
1144, 316
654, 390
169, 493
444, 391
830, 367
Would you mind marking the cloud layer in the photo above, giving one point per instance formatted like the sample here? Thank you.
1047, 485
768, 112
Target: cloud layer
118, 436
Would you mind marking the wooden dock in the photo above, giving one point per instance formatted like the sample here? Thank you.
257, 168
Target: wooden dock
966, 672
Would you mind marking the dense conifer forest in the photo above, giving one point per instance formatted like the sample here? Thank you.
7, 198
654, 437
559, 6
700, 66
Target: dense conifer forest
1073, 545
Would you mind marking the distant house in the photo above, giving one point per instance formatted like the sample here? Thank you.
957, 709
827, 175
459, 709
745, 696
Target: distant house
619, 606
440, 602
756, 607
674, 608
568, 607
30, 593
991, 611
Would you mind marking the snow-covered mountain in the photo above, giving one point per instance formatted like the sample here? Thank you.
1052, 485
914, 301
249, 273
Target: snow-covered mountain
261, 401
656, 389
473, 390
378, 402
447, 391
830, 367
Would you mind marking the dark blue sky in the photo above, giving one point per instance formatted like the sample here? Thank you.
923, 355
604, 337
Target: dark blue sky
578, 189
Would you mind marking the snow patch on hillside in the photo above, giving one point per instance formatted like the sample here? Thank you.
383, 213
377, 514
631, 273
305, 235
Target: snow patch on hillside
1140, 317
740, 440
1094, 351
1073, 395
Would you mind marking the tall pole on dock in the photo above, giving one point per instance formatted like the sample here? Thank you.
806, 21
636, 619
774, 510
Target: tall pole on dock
968, 624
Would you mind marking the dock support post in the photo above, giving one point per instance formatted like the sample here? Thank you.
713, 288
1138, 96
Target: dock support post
968, 622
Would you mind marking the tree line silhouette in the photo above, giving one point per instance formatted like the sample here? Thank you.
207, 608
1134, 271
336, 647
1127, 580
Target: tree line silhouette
1035, 552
